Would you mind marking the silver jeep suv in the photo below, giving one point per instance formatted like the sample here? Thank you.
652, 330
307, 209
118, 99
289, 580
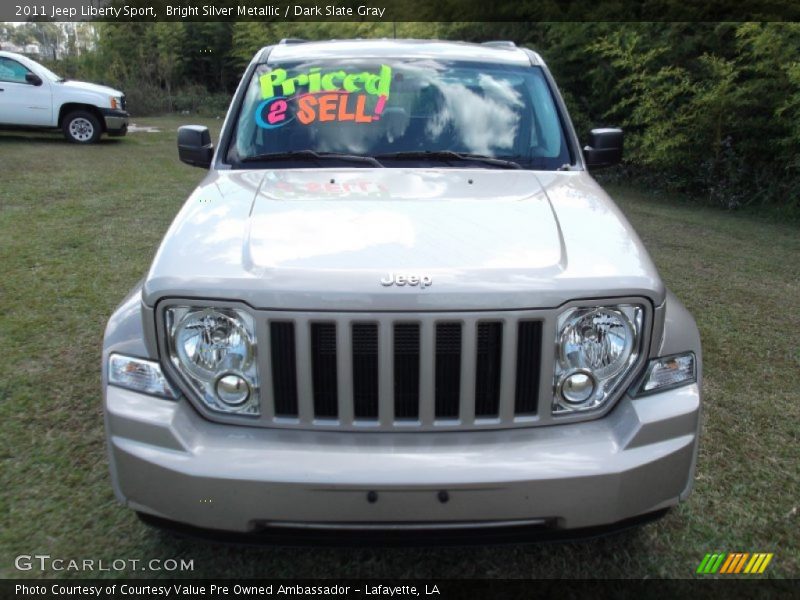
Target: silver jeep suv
398, 301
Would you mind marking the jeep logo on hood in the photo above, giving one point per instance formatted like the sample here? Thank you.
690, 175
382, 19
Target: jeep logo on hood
401, 279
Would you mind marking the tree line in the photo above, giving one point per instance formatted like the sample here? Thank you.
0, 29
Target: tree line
710, 109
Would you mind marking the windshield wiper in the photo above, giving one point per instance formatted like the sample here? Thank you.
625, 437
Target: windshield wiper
450, 155
312, 154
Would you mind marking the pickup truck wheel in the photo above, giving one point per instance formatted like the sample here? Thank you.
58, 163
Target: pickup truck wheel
81, 127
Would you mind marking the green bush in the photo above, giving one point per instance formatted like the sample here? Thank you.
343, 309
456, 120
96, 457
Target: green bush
198, 100
145, 99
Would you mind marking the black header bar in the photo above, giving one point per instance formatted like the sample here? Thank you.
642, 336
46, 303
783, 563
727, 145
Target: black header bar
399, 10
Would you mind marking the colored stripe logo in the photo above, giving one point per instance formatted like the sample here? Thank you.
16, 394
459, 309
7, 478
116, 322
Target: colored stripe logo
734, 563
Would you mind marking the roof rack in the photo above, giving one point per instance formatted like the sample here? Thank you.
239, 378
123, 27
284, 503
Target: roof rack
286, 41
500, 44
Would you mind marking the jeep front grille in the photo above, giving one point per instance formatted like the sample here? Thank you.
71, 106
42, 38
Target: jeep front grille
401, 372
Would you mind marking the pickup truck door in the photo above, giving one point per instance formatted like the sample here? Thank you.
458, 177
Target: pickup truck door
22, 103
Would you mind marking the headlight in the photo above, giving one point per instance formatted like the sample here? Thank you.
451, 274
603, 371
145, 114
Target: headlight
139, 375
596, 347
215, 350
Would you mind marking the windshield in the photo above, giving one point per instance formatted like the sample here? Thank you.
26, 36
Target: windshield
48, 73
427, 111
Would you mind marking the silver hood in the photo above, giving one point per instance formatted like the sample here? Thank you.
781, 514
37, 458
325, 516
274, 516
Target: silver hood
322, 239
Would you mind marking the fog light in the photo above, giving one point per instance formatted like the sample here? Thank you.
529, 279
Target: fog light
578, 387
232, 389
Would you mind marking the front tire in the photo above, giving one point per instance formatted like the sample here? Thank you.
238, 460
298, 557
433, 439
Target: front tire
81, 127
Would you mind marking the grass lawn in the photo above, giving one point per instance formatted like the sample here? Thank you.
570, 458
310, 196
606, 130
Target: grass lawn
79, 226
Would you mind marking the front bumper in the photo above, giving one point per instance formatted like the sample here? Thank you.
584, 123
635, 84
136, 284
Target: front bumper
169, 462
116, 121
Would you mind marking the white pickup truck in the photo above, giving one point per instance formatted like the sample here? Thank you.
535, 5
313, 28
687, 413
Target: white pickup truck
32, 96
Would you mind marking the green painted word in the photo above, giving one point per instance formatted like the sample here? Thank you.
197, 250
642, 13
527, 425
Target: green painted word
315, 81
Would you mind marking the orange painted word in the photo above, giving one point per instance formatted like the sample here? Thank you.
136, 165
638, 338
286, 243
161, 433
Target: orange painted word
334, 106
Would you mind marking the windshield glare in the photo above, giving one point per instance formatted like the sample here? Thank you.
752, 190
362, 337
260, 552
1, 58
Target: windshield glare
380, 108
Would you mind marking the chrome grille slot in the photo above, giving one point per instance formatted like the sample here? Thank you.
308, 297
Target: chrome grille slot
365, 370
406, 370
529, 344
487, 369
448, 369
284, 380
323, 369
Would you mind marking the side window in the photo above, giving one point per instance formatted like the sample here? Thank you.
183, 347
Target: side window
11, 70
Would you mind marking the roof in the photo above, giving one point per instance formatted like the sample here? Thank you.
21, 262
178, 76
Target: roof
506, 52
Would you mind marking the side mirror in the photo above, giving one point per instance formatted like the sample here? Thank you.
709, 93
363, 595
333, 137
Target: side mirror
33, 79
604, 148
194, 146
